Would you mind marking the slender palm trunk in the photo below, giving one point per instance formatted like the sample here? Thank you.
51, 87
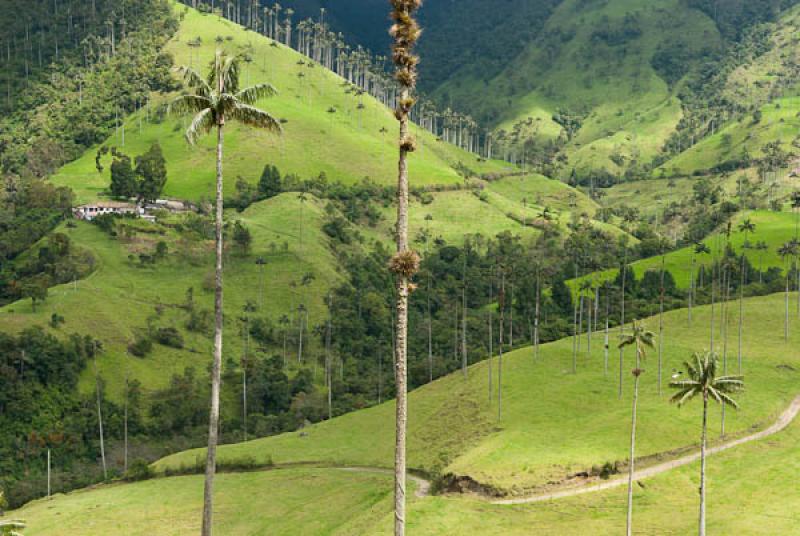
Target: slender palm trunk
741, 313
712, 307
691, 290
213, 420
500, 355
401, 372
579, 332
491, 341
605, 337
575, 330
125, 425
725, 307
100, 416
631, 468
661, 326
536, 319
703, 467
589, 326
430, 332
622, 324
464, 357
786, 316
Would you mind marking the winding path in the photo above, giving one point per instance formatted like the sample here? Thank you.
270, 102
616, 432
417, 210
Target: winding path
423, 486
783, 421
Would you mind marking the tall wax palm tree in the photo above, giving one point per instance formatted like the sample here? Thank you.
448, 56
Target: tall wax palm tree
215, 100
587, 287
746, 227
405, 32
641, 340
786, 252
702, 380
761, 247
661, 320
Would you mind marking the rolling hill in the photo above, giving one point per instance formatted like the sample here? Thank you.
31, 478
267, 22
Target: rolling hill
454, 426
542, 402
328, 127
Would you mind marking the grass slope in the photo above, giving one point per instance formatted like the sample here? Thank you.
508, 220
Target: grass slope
114, 303
752, 491
767, 83
297, 501
774, 228
327, 130
454, 428
631, 110
779, 122
751, 488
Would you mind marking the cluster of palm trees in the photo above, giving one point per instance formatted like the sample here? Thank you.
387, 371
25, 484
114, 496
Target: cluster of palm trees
360, 67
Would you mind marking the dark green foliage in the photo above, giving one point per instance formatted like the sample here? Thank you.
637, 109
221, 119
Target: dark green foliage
31, 210
180, 406
242, 237
200, 321
269, 185
169, 337
57, 104
618, 33
735, 17
141, 346
123, 178
40, 408
138, 470
151, 170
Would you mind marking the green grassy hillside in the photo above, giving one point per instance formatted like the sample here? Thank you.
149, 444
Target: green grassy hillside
454, 427
778, 122
751, 489
300, 501
773, 228
115, 302
328, 128
544, 405
348, 145
765, 84
596, 58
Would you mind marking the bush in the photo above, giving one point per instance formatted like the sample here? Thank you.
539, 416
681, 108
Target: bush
138, 470
170, 337
141, 346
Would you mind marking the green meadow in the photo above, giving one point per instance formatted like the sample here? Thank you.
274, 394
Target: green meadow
454, 427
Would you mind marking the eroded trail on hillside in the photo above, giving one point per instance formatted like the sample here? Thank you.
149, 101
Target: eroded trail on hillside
423, 486
591, 486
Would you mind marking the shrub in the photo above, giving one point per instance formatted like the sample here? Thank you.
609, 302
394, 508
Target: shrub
138, 470
169, 337
141, 346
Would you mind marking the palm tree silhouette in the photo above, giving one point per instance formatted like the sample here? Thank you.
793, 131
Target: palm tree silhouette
215, 100
641, 340
747, 227
702, 380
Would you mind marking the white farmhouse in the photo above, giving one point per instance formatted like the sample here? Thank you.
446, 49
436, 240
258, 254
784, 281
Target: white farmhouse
92, 210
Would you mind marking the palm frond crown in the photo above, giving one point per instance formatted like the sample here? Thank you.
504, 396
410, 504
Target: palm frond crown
639, 337
217, 97
702, 380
